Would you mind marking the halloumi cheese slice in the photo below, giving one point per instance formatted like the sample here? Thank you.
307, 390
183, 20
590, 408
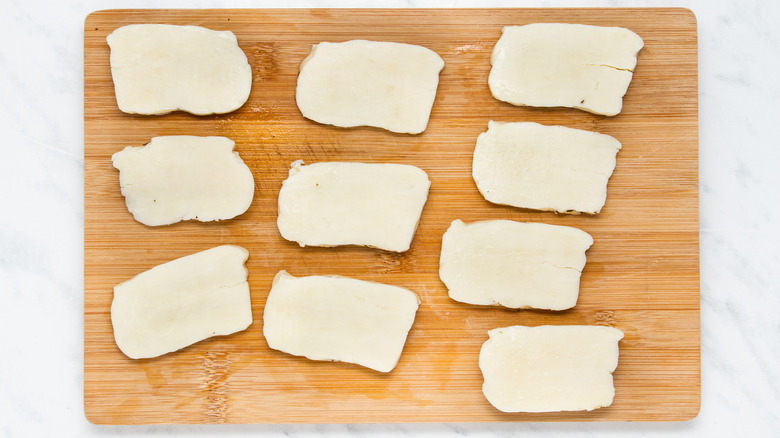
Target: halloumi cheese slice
550, 368
564, 65
369, 83
513, 264
159, 68
335, 318
528, 165
183, 177
181, 302
367, 204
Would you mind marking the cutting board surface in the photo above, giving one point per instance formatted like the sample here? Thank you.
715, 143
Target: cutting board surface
642, 273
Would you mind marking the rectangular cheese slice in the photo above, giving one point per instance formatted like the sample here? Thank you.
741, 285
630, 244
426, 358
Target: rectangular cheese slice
528, 165
513, 264
336, 318
181, 302
159, 68
369, 83
564, 65
183, 177
549, 368
367, 204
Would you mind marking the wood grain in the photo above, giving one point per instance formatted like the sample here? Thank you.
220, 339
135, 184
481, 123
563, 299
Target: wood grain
642, 274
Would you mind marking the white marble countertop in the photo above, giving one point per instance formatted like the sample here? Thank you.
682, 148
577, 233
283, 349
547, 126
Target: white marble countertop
41, 241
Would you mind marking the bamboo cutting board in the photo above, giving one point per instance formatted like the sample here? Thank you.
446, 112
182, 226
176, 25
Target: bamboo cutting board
642, 274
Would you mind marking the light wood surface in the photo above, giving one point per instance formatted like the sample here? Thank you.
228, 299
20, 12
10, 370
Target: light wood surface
642, 274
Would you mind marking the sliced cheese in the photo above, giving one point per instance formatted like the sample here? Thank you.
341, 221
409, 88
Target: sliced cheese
336, 318
368, 204
159, 68
513, 264
181, 302
540, 167
182, 177
549, 368
564, 65
369, 83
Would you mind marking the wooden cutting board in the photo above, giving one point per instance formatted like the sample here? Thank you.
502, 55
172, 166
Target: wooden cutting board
642, 274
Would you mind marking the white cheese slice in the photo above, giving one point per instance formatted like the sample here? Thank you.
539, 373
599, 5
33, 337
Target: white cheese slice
183, 177
336, 318
159, 68
369, 83
549, 368
564, 65
367, 204
181, 302
540, 167
513, 264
